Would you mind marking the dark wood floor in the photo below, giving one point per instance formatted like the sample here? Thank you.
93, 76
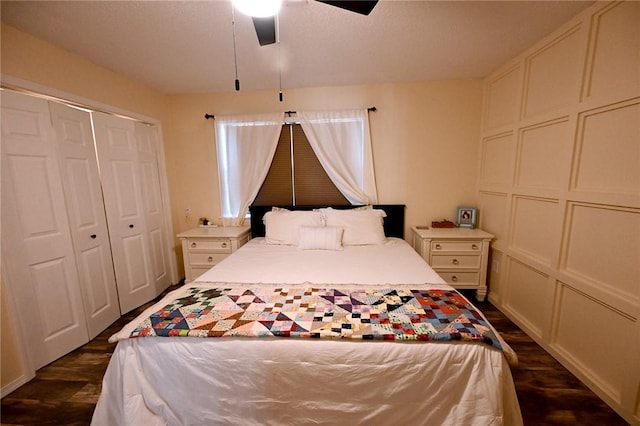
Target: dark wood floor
66, 391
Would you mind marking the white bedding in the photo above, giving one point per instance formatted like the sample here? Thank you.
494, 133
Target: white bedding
280, 381
394, 262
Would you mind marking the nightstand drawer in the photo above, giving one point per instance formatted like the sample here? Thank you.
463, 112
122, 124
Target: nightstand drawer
460, 279
206, 258
456, 261
222, 246
442, 246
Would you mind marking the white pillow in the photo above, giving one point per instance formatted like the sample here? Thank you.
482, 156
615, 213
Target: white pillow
320, 238
361, 226
283, 226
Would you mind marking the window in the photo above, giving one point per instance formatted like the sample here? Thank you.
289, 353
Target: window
296, 176
246, 145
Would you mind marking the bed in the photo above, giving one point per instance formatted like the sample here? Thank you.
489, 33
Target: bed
271, 370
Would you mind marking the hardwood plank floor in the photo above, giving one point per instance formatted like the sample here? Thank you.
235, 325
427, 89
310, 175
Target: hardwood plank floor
65, 392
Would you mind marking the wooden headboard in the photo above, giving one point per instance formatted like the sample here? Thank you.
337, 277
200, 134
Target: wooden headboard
393, 223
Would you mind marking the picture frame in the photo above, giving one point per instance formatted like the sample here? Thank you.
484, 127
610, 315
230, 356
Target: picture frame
467, 217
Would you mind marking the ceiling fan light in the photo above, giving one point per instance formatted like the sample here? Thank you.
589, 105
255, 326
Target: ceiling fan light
258, 8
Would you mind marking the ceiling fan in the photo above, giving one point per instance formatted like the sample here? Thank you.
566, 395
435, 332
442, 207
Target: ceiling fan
266, 26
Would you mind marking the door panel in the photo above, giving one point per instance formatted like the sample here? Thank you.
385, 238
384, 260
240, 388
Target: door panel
52, 298
93, 269
36, 241
88, 223
135, 253
38, 219
118, 160
125, 183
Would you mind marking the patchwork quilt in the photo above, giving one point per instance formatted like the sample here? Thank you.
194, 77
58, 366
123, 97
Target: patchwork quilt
313, 312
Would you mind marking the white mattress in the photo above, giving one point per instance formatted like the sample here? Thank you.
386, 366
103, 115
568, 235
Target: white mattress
280, 381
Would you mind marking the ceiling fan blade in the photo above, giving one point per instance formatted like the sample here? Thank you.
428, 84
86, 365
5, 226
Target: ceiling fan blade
265, 30
363, 7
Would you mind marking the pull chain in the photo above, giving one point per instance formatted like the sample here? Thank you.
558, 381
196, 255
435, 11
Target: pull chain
279, 58
235, 58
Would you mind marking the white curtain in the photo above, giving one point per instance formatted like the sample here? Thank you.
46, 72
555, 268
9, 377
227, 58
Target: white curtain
342, 142
245, 145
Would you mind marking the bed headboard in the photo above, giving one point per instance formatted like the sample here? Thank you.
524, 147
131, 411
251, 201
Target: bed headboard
393, 223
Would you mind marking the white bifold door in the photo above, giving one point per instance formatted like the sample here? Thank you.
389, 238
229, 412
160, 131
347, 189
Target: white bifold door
38, 254
86, 217
126, 152
80, 244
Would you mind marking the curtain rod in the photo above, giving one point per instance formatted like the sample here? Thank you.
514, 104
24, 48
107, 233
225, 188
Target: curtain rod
208, 116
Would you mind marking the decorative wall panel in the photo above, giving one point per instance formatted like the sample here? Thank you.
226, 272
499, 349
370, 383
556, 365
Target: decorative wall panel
578, 319
543, 155
493, 213
496, 260
609, 152
616, 51
551, 74
528, 296
607, 254
535, 228
502, 99
497, 160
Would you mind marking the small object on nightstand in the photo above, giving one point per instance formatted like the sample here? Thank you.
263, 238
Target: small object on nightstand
443, 224
422, 227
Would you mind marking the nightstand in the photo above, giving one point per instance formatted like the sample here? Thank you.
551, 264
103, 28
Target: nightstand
203, 248
458, 255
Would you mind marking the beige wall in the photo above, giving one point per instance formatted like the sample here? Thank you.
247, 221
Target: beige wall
29, 58
423, 134
559, 185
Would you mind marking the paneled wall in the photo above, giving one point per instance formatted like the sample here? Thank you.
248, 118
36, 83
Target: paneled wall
559, 186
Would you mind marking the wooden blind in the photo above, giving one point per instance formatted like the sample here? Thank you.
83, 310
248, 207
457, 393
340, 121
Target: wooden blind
310, 182
277, 188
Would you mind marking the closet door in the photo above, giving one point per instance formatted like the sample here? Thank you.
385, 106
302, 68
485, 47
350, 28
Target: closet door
147, 145
120, 173
37, 250
85, 208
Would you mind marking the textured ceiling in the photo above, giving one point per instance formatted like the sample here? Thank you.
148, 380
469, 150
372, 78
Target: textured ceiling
180, 47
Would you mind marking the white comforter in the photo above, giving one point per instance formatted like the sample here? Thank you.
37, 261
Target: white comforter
280, 381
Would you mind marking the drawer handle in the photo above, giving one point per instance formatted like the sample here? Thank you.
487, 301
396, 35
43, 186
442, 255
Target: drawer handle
93, 236
438, 246
193, 245
210, 259
224, 245
131, 225
454, 279
474, 246
455, 261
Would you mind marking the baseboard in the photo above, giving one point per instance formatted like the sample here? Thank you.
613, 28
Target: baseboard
14, 384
